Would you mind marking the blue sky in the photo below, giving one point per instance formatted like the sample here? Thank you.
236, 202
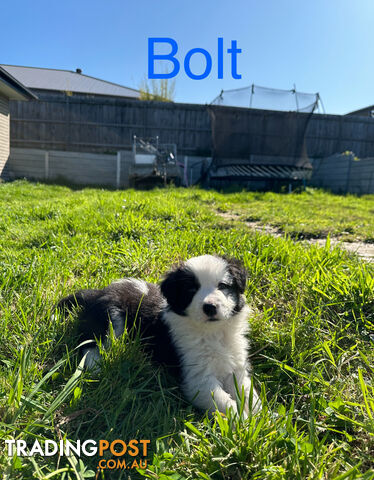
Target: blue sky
324, 46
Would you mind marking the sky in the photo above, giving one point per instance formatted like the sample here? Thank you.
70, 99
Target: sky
324, 46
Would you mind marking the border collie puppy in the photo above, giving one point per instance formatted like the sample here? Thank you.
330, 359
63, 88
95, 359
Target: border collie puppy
195, 322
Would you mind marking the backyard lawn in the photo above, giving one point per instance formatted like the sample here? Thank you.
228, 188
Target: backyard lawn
312, 333
312, 214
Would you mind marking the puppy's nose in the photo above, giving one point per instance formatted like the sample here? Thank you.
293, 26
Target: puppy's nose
209, 309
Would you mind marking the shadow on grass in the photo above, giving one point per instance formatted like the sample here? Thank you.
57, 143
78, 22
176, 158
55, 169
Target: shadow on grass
146, 185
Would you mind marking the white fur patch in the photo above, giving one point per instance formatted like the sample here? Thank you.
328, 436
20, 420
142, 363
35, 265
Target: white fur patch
207, 268
140, 285
210, 271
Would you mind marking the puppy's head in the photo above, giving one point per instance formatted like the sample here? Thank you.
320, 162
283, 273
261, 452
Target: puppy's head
206, 288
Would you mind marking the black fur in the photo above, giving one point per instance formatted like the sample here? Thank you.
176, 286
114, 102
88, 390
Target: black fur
238, 274
124, 299
179, 288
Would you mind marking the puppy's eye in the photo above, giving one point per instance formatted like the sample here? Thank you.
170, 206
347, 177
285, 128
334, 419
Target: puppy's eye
223, 286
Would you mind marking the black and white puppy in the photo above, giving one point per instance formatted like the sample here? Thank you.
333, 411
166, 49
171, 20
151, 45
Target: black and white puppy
195, 322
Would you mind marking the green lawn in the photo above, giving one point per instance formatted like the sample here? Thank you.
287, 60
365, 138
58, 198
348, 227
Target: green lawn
312, 334
311, 214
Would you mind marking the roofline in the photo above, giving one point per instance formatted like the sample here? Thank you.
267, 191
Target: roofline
72, 71
360, 109
51, 90
13, 84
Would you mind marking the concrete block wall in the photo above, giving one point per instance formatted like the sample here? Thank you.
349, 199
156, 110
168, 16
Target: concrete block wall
340, 173
361, 179
25, 163
79, 168
114, 170
344, 173
83, 168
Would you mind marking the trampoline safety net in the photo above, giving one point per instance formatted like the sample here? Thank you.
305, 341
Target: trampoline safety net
266, 98
264, 137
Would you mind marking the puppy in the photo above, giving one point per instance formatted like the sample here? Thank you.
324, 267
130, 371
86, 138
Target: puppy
195, 323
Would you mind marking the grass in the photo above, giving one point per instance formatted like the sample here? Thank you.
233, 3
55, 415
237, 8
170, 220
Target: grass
311, 214
312, 336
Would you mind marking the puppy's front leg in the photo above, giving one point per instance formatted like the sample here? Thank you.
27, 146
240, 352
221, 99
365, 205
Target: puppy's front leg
208, 394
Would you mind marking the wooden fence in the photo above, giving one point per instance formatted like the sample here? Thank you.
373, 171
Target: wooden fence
107, 125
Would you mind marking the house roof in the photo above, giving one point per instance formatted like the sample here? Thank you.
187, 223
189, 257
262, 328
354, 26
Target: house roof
363, 110
66, 80
12, 88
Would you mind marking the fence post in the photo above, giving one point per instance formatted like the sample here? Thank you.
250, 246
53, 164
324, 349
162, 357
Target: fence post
348, 173
118, 170
46, 165
185, 173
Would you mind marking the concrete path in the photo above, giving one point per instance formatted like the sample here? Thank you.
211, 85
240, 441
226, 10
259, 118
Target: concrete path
362, 249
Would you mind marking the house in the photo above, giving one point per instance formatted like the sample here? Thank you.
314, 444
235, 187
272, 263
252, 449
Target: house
52, 83
74, 111
363, 112
10, 89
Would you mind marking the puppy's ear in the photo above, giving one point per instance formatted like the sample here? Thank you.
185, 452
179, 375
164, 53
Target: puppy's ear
238, 272
170, 285
178, 287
